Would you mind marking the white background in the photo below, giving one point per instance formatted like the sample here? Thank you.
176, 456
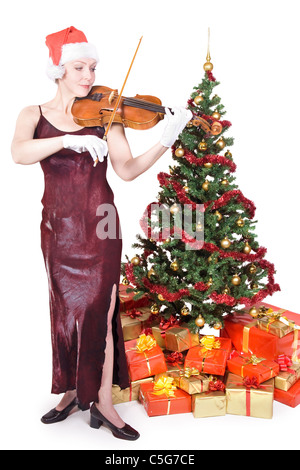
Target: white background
255, 52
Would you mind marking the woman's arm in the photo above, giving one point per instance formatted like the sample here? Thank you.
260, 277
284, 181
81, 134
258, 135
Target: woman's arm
25, 149
127, 167
123, 163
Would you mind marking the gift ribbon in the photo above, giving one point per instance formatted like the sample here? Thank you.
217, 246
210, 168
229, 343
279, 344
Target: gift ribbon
216, 385
145, 343
208, 343
165, 385
132, 313
175, 358
189, 372
249, 383
284, 364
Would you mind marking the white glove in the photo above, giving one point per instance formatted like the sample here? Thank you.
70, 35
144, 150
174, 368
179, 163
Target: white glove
86, 143
175, 125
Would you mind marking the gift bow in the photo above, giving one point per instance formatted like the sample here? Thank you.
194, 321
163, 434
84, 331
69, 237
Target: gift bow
215, 384
254, 360
145, 343
251, 382
132, 313
175, 357
188, 372
168, 323
284, 363
164, 385
209, 342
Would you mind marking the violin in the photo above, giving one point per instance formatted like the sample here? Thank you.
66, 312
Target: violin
140, 112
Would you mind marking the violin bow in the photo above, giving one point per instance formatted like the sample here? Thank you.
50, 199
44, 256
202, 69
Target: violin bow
119, 97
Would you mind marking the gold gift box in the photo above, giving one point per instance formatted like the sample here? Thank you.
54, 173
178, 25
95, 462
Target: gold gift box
132, 327
274, 326
179, 338
243, 401
193, 384
209, 404
157, 333
285, 380
128, 394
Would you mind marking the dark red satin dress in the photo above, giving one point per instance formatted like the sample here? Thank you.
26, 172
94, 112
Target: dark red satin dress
81, 268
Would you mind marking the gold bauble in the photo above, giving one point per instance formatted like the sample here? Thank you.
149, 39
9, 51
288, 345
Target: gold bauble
210, 282
185, 310
160, 297
199, 227
200, 322
236, 280
167, 240
174, 266
218, 325
198, 99
210, 259
240, 222
208, 165
226, 291
154, 309
205, 185
208, 66
179, 152
228, 154
220, 143
174, 209
202, 146
186, 188
253, 312
253, 285
225, 182
225, 243
219, 215
252, 269
172, 168
247, 248
125, 281
216, 115
150, 273
135, 261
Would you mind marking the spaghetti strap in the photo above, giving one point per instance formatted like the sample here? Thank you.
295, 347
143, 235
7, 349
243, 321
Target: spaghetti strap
40, 110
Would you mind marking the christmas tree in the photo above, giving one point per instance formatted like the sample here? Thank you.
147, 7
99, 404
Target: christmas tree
212, 265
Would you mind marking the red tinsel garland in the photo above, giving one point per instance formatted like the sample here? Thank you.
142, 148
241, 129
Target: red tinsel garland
210, 76
209, 158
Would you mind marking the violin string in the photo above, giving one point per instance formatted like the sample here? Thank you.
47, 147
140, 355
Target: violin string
144, 105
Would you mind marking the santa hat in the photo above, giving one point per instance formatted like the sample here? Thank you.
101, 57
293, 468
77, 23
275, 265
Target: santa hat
64, 46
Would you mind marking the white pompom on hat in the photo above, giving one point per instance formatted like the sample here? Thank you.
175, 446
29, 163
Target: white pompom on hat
65, 46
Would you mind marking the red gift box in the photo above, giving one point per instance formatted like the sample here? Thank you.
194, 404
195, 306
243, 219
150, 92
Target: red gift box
144, 362
209, 361
291, 397
126, 299
246, 337
247, 365
162, 404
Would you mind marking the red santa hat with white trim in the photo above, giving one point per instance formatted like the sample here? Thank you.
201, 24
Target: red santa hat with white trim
65, 46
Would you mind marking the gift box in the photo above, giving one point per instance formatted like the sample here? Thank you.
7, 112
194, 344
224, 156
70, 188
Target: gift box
246, 364
210, 357
275, 322
190, 380
288, 375
247, 337
179, 338
248, 398
128, 394
174, 361
163, 398
126, 299
159, 329
209, 404
134, 321
144, 357
291, 397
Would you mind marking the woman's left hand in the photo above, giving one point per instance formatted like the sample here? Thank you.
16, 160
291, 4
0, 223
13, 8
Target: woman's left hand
175, 125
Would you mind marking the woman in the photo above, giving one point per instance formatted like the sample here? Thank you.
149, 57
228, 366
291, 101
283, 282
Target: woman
83, 267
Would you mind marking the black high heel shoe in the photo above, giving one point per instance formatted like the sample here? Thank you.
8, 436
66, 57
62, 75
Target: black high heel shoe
126, 432
55, 416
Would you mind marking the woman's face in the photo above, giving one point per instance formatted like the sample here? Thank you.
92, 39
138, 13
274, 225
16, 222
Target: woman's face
79, 76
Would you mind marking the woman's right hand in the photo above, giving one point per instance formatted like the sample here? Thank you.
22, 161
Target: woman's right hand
86, 143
